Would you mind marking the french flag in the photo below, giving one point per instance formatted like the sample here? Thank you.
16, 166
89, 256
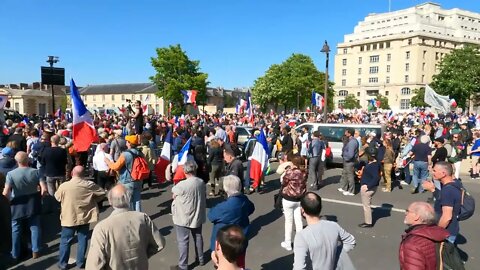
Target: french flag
259, 159
182, 159
249, 107
165, 158
189, 96
390, 116
84, 133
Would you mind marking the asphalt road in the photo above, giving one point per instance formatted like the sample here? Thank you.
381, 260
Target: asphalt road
377, 247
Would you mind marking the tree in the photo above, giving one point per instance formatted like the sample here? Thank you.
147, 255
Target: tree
418, 100
351, 102
290, 82
175, 72
459, 75
383, 102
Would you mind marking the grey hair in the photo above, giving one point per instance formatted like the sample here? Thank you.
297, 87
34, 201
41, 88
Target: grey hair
425, 139
119, 201
232, 185
445, 166
425, 211
190, 167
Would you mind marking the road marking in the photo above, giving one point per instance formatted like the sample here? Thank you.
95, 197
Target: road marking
359, 204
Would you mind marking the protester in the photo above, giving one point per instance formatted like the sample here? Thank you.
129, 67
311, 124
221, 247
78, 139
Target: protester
103, 177
422, 157
118, 145
317, 246
215, 163
350, 156
5, 226
124, 166
316, 151
229, 247
368, 186
55, 160
447, 200
188, 214
293, 188
150, 156
235, 210
117, 244
21, 188
388, 163
418, 246
78, 198
233, 165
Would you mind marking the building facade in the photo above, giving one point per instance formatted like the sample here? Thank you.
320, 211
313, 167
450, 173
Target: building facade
396, 52
31, 100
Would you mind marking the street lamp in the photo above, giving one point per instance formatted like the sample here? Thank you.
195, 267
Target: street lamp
52, 60
326, 50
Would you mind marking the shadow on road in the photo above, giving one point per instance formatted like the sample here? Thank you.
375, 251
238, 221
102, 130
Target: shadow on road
263, 220
381, 212
43, 264
284, 262
461, 240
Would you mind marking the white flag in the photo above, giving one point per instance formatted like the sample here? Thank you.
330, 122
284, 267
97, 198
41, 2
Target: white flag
436, 101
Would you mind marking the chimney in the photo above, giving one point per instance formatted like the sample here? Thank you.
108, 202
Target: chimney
36, 85
23, 86
13, 86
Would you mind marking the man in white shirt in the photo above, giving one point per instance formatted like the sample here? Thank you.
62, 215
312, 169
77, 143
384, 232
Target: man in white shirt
102, 178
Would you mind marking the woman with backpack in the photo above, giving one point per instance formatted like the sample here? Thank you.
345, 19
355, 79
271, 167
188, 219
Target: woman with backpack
293, 188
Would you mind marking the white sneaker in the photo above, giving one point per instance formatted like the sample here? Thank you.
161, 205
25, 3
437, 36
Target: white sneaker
340, 189
286, 246
403, 183
346, 193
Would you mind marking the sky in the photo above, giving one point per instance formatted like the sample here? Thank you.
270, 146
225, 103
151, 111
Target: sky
112, 41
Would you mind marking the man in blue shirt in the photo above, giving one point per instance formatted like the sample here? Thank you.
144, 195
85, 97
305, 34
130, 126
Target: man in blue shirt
448, 199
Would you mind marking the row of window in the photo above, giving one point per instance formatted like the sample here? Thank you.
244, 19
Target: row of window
94, 97
404, 91
375, 46
404, 103
373, 80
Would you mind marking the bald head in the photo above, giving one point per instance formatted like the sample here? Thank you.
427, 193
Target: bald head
119, 197
78, 171
420, 213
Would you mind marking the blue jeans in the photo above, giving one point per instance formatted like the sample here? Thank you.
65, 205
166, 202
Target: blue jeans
408, 177
420, 174
34, 224
135, 189
66, 239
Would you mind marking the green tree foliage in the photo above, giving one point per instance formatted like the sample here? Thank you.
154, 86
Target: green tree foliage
418, 99
459, 75
351, 102
175, 72
383, 102
283, 83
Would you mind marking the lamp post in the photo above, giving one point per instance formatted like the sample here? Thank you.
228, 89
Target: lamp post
52, 60
326, 50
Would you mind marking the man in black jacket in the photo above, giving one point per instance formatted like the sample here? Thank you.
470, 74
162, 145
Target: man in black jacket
19, 139
233, 165
287, 142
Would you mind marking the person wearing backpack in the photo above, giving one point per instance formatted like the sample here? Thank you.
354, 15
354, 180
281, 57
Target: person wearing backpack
448, 200
418, 246
125, 167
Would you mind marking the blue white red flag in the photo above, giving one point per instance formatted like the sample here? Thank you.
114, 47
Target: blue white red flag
391, 116
249, 107
259, 158
189, 96
182, 155
165, 158
84, 133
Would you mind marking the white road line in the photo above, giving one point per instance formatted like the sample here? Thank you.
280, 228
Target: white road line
359, 204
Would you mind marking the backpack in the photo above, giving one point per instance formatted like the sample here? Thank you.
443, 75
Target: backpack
140, 170
467, 205
453, 156
448, 257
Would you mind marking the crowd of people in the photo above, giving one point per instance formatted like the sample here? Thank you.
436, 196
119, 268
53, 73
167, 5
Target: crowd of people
41, 172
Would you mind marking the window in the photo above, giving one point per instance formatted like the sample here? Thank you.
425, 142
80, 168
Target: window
343, 93
388, 68
407, 67
406, 91
423, 67
133, 97
368, 47
374, 46
113, 97
386, 93
17, 106
406, 78
157, 108
387, 80
341, 103
389, 57
374, 70
409, 41
407, 55
359, 60
123, 97
359, 71
141, 97
380, 45
424, 54
373, 80
344, 72
358, 94
94, 98
361, 48
344, 82
103, 97
85, 98
404, 104
423, 78
359, 81
437, 56
344, 62
344, 51
387, 44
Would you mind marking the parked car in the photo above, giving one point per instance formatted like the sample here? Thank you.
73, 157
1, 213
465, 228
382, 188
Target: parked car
333, 134
244, 133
